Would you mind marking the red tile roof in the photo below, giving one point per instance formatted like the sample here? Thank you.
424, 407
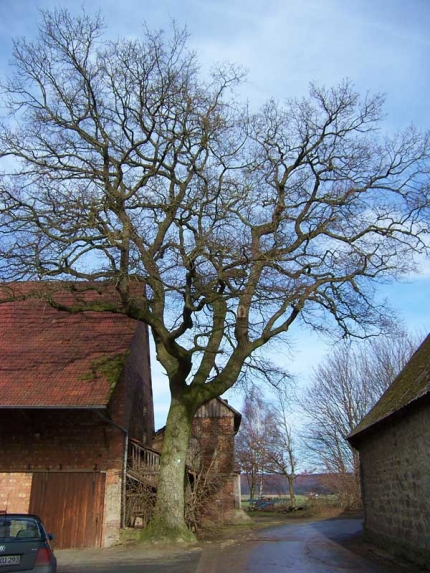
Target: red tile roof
51, 358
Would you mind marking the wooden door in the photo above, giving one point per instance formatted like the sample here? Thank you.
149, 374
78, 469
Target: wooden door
71, 506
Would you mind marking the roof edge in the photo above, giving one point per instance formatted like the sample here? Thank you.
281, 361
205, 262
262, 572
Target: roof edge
26, 407
355, 437
401, 393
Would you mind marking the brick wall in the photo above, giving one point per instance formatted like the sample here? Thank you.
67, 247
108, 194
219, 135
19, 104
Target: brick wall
132, 401
15, 491
211, 454
219, 503
395, 468
212, 443
58, 440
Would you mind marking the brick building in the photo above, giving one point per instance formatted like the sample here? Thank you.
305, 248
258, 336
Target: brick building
74, 389
212, 451
394, 444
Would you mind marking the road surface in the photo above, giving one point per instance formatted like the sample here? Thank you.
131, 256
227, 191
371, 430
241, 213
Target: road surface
328, 546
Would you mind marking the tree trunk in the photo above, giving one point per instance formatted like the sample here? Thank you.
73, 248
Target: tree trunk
291, 490
168, 521
260, 486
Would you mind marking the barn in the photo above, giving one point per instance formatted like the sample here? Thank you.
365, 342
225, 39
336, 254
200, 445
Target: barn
75, 390
393, 440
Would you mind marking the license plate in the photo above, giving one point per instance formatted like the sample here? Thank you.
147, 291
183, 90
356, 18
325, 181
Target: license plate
10, 560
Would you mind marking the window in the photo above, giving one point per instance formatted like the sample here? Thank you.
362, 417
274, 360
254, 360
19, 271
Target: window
15, 528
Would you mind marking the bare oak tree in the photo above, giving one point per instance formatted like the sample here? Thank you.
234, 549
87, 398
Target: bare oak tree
121, 165
344, 388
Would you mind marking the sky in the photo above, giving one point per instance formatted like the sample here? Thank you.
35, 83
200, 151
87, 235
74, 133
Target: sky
383, 46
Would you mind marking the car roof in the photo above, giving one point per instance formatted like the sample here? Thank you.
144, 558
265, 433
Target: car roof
24, 515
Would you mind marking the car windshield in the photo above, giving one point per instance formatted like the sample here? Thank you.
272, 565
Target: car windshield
18, 528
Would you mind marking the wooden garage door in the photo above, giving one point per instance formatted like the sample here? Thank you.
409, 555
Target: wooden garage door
71, 506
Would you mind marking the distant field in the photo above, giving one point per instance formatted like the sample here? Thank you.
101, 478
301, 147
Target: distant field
301, 500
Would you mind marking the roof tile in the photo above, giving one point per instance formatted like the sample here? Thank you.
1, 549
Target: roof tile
52, 358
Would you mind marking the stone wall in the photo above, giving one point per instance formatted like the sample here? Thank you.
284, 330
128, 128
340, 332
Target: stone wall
395, 473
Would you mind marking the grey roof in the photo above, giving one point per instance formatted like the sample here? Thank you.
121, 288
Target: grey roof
412, 384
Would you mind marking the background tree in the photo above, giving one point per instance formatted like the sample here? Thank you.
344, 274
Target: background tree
344, 388
280, 450
265, 445
250, 443
122, 165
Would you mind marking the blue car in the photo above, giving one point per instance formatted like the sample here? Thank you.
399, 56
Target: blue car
24, 544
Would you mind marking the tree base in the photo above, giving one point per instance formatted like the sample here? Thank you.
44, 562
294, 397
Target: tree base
158, 531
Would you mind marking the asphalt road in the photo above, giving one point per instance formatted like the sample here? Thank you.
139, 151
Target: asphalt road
312, 548
328, 546
127, 560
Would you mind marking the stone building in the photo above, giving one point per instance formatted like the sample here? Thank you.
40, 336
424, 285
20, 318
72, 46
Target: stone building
394, 444
75, 390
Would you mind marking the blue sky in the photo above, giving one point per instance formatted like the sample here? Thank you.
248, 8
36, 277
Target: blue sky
381, 45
